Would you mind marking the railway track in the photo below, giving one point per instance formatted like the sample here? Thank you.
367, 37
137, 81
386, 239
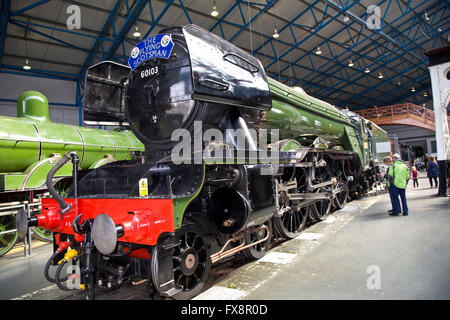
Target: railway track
138, 291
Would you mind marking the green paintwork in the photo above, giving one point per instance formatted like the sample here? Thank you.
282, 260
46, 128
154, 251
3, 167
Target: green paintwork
300, 119
303, 118
29, 143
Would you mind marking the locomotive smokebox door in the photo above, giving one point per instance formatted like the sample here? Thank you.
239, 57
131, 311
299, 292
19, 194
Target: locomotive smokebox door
103, 100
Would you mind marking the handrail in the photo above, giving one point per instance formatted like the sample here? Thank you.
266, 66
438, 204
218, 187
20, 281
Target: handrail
394, 111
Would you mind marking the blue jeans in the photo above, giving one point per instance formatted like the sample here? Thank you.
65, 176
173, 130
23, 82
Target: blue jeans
396, 192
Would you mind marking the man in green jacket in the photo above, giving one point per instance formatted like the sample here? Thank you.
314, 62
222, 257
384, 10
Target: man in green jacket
398, 176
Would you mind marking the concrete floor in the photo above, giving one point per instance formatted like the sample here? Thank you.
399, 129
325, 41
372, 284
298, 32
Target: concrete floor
359, 252
410, 254
21, 275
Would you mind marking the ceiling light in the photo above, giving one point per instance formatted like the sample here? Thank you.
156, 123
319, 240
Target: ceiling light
380, 76
275, 34
367, 70
350, 63
214, 11
413, 90
26, 66
426, 17
318, 50
425, 94
136, 33
346, 18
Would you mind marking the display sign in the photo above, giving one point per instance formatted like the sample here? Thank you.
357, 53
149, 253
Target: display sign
158, 46
383, 147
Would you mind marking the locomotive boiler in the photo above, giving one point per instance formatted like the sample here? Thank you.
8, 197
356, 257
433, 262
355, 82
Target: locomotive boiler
231, 156
30, 146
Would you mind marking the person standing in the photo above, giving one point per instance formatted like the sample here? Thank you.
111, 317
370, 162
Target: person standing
388, 161
415, 173
398, 176
432, 171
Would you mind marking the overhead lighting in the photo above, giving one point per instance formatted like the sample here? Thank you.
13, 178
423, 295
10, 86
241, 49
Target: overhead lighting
26, 66
136, 32
350, 63
275, 34
425, 94
346, 18
367, 70
214, 11
413, 90
380, 76
318, 50
426, 16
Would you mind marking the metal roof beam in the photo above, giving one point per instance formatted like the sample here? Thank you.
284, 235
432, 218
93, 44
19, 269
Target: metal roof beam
27, 27
156, 21
3, 26
246, 24
363, 23
31, 6
39, 72
397, 74
349, 50
99, 42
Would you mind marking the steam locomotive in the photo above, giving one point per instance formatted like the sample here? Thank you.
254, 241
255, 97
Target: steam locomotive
31, 144
231, 156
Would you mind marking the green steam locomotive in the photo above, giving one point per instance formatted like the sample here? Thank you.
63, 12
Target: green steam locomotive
231, 156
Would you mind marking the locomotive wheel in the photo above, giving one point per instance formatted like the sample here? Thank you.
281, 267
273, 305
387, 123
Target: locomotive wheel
42, 234
341, 197
258, 251
7, 239
292, 222
191, 261
321, 208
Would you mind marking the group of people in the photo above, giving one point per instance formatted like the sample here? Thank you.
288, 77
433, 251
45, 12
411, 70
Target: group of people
432, 172
398, 177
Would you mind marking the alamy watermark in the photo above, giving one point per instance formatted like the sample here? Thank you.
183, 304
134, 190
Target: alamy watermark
232, 145
74, 19
373, 20
374, 279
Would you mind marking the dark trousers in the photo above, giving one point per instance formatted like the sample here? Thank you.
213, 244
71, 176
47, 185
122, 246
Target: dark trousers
396, 202
391, 196
431, 182
416, 182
